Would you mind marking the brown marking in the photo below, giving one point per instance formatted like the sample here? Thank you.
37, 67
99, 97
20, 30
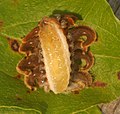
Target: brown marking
118, 75
87, 56
28, 63
30, 82
30, 44
36, 79
13, 44
76, 92
18, 97
66, 22
1, 24
28, 91
31, 35
99, 84
86, 31
84, 77
71, 19
32, 66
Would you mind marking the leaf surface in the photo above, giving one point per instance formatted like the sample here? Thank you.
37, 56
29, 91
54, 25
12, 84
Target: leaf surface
18, 17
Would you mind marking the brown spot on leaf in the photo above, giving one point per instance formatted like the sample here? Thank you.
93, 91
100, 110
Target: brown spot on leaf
13, 44
1, 24
18, 76
118, 75
18, 97
75, 92
29, 91
99, 84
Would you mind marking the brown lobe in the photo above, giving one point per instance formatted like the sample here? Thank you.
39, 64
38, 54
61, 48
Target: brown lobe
84, 77
29, 45
36, 78
18, 98
79, 31
70, 19
37, 72
28, 63
32, 64
31, 81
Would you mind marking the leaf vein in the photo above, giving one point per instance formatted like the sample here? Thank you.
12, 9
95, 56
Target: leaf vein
89, 10
106, 56
23, 23
21, 108
84, 110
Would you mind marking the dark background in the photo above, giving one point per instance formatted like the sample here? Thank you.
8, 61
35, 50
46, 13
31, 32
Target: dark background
115, 4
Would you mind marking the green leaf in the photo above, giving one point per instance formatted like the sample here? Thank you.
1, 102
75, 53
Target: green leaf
18, 17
